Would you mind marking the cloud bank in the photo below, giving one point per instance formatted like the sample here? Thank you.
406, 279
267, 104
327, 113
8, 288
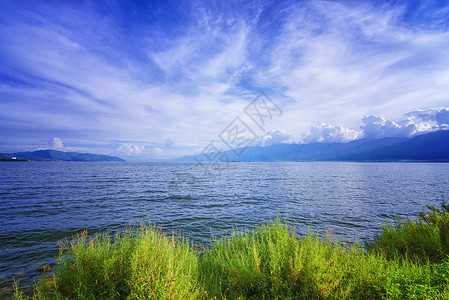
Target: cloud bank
274, 137
413, 123
326, 133
376, 127
136, 150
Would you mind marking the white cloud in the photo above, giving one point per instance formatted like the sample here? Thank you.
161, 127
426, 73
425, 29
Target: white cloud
376, 126
130, 149
326, 133
438, 116
55, 144
274, 137
136, 150
155, 151
412, 123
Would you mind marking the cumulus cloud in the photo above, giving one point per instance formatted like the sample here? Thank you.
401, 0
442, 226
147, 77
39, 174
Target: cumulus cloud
326, 133
273, 137
412, 123
136, 150
376, 126
438, 116
129, 149
55, 144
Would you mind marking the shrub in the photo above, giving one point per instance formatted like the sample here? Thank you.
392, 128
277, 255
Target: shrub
424, 239
271, 263
137, 264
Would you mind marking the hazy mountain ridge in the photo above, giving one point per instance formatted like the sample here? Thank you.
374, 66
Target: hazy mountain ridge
64, 156
427, 147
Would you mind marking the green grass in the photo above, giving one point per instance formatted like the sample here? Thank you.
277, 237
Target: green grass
426, 238
138, 264
407, 260
272, 263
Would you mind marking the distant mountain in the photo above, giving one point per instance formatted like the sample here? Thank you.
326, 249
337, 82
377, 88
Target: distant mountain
65, 156
427, 147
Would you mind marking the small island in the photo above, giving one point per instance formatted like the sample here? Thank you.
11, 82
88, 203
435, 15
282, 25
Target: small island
52, 155
8, 158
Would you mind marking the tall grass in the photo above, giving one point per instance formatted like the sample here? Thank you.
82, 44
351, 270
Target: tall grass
138, 264
426, 238
270, 262
163, 268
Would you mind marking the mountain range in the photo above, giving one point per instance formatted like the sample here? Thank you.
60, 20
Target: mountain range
432, 146
42, 155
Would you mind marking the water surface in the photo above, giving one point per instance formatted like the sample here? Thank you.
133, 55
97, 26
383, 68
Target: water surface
43, 202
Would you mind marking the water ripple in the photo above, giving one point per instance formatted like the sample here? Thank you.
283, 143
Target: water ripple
44, 202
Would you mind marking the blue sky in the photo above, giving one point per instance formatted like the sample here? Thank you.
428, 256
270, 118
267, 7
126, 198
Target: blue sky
158, 79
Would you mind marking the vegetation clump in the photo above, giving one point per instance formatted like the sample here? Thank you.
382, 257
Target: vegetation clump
426, 238
407, 260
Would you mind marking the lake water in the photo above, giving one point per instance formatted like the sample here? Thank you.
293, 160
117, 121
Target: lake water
43, 202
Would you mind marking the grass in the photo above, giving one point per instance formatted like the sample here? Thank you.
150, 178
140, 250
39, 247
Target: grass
407, 260
138, 264
426, 238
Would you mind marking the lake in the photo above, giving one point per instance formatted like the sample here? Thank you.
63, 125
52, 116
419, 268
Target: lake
43, 202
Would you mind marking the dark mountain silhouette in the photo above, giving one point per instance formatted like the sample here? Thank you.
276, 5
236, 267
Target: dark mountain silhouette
65, 156
7, 158
428, 147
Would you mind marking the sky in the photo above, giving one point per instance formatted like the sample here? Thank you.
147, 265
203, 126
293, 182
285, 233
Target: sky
159, 79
